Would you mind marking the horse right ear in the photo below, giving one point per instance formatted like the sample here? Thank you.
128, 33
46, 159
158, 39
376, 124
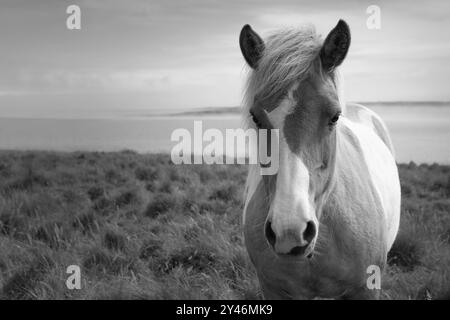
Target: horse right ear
335, 46
252, 46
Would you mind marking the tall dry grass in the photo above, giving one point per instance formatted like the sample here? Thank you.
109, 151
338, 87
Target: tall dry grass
142, 228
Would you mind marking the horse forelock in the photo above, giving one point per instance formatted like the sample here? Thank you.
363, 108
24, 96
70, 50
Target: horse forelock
287, 58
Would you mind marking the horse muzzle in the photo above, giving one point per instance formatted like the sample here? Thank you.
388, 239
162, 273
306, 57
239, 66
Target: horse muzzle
292, 241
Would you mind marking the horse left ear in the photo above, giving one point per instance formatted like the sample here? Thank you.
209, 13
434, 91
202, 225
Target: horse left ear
335, 46
252, 46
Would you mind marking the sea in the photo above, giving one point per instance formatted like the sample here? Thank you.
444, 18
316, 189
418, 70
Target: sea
420, 131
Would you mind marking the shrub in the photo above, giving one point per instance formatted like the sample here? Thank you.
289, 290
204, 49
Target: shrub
99, 260
23, 282
405, 253
161, 203
86, 222
95, 192
225, 192
145, 174
114, 240
127, 197
150, 248
197, 259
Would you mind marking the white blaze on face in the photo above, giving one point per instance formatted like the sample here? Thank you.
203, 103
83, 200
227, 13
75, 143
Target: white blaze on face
276, 118
290, 207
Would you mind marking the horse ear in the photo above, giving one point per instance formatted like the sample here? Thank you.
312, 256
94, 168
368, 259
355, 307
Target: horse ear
335, 46
252, 46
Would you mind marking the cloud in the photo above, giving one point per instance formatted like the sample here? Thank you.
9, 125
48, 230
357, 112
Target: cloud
186, 53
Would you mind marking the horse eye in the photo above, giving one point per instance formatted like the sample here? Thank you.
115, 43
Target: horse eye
334, 119
255, 120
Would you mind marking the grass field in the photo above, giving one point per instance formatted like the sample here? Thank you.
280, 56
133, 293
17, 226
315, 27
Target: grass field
142, 228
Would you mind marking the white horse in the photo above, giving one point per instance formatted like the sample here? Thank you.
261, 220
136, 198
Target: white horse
333, 208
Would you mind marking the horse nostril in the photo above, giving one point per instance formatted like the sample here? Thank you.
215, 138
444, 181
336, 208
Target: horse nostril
298, 250
270, 235
310, 232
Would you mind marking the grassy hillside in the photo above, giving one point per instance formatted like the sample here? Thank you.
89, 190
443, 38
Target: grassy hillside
140, 227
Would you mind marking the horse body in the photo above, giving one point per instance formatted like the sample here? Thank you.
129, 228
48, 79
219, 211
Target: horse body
332, 209
357, 228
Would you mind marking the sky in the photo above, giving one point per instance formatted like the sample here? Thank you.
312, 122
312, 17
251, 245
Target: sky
165, 54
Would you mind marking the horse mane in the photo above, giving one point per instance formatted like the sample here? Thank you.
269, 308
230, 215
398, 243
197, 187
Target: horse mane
288, 55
